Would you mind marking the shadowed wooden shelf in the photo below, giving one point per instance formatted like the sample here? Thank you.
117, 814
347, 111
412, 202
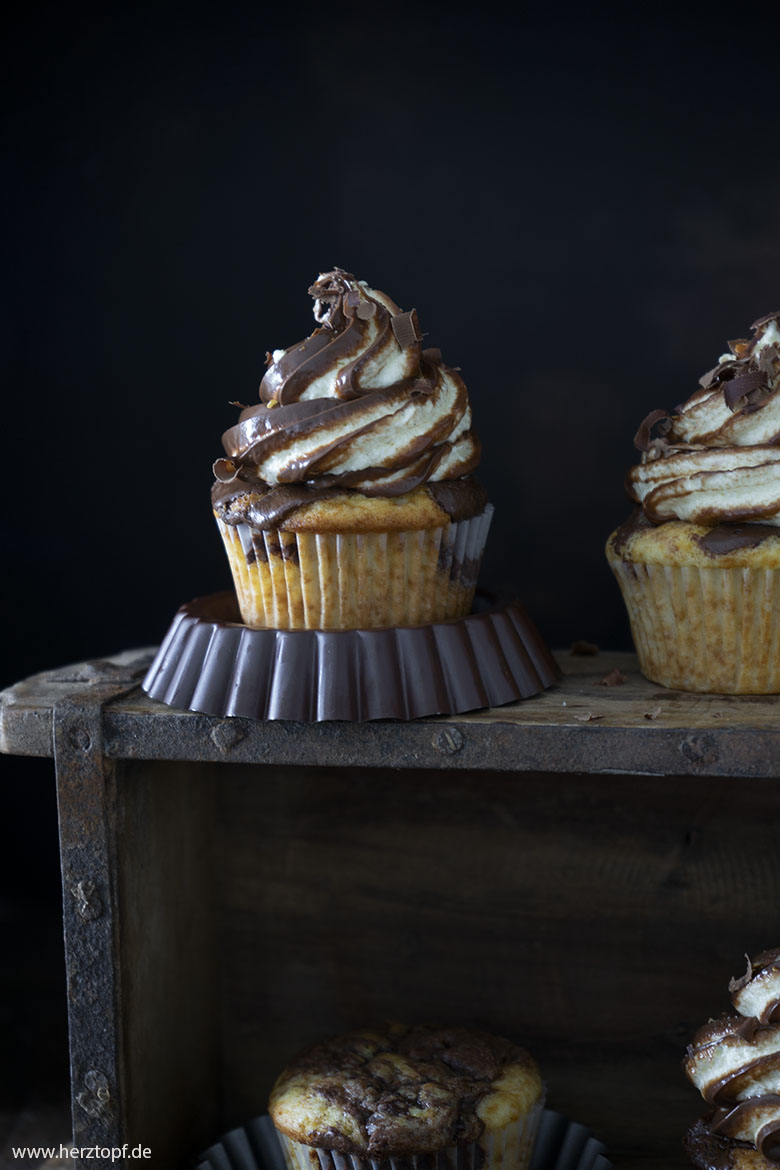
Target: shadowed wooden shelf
583, 871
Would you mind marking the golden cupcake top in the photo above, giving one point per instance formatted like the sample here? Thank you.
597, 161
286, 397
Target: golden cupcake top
402, 1090
734, 1062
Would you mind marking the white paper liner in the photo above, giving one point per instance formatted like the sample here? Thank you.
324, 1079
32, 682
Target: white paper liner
704, 629
560, 1145
307, 580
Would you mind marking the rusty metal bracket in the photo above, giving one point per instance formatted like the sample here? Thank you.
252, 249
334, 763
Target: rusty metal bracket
86, 802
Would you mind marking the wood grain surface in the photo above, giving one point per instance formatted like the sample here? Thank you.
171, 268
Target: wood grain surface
578, 726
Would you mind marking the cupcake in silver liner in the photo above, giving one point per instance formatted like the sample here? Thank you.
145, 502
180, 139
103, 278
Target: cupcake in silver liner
409, 1098
560, 1145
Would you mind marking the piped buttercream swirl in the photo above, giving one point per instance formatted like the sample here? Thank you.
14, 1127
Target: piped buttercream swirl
357, 405
716, 458
734, 1061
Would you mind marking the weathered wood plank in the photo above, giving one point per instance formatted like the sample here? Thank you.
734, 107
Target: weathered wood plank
577, 726
170, 1002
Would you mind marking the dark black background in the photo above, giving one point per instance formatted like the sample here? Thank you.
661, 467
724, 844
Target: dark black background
582, 203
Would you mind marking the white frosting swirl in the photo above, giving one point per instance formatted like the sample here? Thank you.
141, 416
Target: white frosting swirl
717, 458
734, 1061
359, 403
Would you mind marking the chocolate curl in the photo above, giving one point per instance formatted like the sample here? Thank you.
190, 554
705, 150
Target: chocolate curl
364, 308
614, 678
706, 380
225, 470
741, 386
406, 328
642, 438
765, 320
583, 648
329, 291
738, 984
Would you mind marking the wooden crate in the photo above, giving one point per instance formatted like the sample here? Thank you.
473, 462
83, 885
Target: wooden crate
582, 871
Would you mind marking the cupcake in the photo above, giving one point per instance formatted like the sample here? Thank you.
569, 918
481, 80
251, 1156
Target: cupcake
346, 497
698, 563
367, 1098
734, 1062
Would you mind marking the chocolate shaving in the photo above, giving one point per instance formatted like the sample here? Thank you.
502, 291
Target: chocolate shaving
765, 320
738, 984
742, 385
431, 355
613, 679
406, 328
366, 310
585, 649
705, 381
643, 438
225, 470
587, 717
656, 711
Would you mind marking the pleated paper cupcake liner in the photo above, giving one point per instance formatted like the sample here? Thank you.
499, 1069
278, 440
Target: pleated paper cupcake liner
560, 1145
715, 630
210, 662
309, 580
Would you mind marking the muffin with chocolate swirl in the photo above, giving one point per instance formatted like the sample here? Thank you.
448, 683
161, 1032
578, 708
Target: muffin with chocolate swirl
734, 1062
698, 562
346, 497
369, 1097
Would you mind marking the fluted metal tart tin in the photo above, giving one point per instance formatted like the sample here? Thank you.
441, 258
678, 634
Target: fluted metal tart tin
560, 1145
211, 663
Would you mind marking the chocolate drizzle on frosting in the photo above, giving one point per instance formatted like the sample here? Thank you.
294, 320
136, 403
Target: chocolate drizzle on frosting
356, 406
735, 1061
716, 458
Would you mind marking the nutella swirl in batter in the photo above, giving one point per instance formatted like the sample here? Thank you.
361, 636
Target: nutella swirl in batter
399, 1091
716, 459
735, 1061
358, 405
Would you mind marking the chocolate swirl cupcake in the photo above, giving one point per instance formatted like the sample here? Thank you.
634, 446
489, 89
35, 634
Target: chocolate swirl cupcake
365, 1099
735, 1064
346, 496
698, 562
